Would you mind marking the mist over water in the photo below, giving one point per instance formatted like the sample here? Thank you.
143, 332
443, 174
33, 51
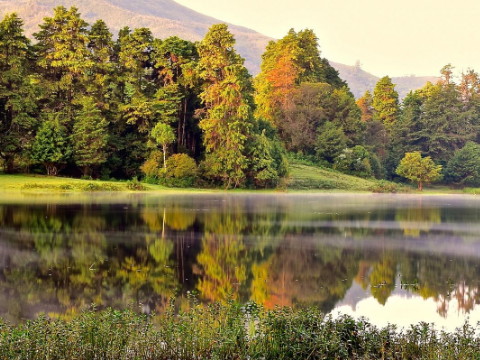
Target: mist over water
393, 258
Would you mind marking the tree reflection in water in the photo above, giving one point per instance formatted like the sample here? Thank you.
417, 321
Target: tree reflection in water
274, 250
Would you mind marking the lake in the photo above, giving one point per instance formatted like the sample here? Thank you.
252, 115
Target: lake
392, 258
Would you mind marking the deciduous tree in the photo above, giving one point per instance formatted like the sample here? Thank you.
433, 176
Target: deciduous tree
418, 169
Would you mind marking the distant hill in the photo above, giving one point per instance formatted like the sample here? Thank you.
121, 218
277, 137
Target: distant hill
360, 81
164, 17
167, 18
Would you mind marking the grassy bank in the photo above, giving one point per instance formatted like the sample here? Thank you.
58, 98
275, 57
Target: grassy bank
302, 177
307, 177
228, 331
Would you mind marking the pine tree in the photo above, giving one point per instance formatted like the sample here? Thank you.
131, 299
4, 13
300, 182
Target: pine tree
90, 136
17, 92
227, 120
385, 102
64, 58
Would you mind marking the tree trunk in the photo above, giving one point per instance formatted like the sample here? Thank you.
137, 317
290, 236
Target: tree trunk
164, 157
420, 185
9, 165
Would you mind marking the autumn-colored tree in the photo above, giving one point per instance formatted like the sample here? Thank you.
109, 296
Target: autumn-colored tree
418, 169
286, 64
365, 104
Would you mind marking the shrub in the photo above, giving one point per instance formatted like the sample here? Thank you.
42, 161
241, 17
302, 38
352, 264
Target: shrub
181, 166
151, 166
135, 185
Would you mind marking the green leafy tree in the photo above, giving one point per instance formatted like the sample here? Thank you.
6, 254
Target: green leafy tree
418, 169
163, 135
331, 141
90, 136
356, 161
51, 146
227, 118
464, 167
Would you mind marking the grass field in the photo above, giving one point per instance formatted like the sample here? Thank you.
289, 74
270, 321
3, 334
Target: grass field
301, 178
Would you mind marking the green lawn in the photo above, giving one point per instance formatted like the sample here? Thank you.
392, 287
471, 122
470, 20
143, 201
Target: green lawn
41, 183
305, 177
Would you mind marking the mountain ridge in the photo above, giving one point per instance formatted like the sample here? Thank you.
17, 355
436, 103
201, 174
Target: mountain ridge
167, 18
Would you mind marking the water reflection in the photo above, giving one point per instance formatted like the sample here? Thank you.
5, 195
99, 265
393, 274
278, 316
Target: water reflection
323, 250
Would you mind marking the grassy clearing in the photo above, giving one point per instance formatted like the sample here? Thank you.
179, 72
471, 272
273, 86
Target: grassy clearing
307, 177
230, 331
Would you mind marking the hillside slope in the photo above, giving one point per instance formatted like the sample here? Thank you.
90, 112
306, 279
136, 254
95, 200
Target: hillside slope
167, 18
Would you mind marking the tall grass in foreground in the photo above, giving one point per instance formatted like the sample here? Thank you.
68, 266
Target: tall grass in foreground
228, 331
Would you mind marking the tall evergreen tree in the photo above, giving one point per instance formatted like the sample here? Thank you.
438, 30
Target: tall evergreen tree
90, 136
17, 93
227, 119
64, 58
385, 102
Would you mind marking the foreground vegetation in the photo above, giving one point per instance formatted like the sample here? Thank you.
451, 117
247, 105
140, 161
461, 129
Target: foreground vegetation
228, 331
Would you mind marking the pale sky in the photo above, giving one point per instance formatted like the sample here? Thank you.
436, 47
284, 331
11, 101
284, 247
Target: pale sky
388, 37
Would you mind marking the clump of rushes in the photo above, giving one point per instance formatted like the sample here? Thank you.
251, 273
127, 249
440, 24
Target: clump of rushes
228, 331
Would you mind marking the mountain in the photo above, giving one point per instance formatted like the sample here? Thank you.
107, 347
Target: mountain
360, 81
164, 17
167, 18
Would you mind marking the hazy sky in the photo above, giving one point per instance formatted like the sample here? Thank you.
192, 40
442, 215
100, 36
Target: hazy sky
388, 37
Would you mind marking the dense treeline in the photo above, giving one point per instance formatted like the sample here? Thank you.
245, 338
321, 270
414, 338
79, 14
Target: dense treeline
80, 102
87, 104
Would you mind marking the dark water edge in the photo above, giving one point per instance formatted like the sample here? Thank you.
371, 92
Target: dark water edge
393, 258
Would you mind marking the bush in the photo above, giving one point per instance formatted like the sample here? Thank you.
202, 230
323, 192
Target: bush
181, 166
383, 186
152, 164
355, 161
135, 185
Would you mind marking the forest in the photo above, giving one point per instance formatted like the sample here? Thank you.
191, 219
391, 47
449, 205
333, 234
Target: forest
81, 102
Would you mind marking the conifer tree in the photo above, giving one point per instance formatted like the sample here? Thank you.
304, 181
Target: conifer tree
17, 93
385, 102
227, 119
90, 136
63, 57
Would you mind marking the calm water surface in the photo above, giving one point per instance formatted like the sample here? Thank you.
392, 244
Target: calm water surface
392, 258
